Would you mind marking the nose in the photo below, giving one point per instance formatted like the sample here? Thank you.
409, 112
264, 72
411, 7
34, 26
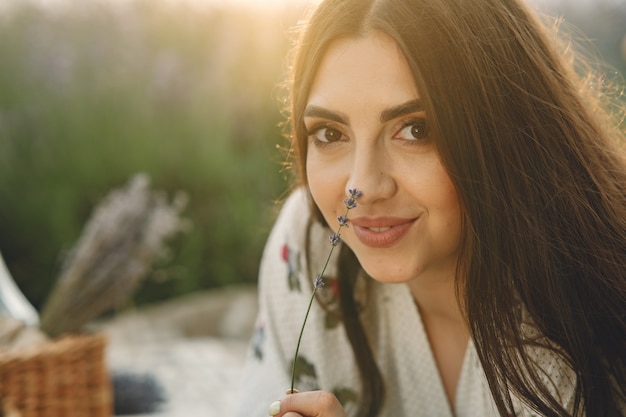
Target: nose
372, 174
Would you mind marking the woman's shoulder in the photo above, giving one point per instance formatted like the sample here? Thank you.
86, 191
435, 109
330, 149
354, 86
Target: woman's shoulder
296, 227
549, 362
285, 252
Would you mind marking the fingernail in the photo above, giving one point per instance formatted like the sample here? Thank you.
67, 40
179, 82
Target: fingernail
291, 391
274, 408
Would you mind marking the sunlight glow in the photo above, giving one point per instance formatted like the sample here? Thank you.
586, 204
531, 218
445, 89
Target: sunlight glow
253, 4
280, 4
224, 4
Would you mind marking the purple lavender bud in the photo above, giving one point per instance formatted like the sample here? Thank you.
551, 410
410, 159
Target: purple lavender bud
350, 203
355, 193
319, 282
343, 221
335, 239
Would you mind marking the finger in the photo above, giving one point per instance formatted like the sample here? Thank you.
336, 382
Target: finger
274, 407
312, 404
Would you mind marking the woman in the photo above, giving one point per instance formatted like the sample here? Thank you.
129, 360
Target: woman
493, 197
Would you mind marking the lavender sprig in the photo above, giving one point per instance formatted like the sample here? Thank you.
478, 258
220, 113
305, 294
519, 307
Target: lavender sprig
335, 239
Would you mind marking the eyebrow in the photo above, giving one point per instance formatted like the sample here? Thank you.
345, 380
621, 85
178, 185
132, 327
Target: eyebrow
386, 115
403, 109
322, 113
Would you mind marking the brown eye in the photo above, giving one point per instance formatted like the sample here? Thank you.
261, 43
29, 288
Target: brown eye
414, 130
332, 135
418, 130
327, 135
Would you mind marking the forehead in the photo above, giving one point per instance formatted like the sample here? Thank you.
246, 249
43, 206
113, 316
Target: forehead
367, 69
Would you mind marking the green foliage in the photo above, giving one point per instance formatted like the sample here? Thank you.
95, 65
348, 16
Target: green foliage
91, 94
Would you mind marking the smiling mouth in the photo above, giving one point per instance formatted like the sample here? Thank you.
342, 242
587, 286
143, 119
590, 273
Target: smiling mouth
378, 236
379, 229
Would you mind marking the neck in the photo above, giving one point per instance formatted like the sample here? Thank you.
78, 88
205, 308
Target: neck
436, 300
445, 328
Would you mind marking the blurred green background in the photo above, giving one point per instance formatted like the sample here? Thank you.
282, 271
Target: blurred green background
94, 92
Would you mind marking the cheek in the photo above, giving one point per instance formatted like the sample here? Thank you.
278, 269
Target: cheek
442, 200
315, 178
449, 198
452, 210
325, 184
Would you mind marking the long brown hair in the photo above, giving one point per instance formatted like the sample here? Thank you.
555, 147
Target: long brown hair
540, 174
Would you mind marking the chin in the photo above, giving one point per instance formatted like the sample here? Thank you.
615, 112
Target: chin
387, 275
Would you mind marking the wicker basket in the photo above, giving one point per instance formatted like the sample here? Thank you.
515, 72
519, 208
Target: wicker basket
64, 378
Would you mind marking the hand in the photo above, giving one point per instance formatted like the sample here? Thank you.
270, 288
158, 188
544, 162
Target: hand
308, 404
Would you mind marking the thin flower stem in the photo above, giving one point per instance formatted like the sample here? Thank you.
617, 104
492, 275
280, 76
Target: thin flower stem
295, 359
306, 316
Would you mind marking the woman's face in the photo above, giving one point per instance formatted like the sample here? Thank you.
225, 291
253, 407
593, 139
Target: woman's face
367, 130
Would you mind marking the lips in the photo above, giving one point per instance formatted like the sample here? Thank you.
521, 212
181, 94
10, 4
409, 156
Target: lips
381, 232
379, 229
